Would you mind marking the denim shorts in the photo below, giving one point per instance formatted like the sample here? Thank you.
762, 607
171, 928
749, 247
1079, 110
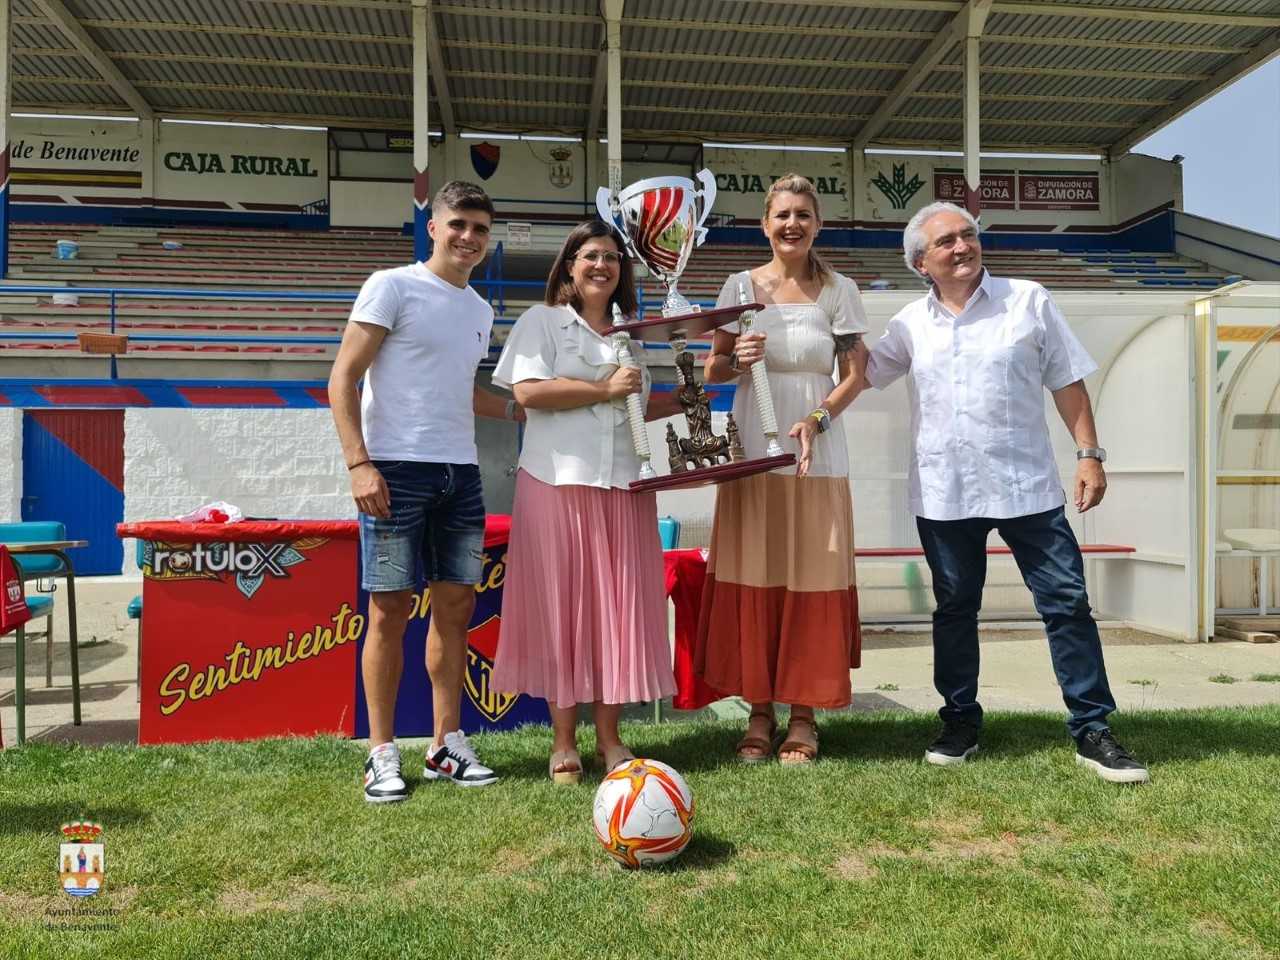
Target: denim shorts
436, 527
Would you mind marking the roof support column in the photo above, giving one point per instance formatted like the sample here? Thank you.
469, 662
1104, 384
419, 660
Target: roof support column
972, 135
612, 10
421, 140
5, 95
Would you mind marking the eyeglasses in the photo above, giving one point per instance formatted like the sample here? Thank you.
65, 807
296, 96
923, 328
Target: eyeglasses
611, 257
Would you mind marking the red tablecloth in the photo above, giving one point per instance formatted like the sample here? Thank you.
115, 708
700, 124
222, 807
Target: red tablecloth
685, 571
497, 529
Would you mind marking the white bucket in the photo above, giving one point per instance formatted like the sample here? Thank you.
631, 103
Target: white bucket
67, 250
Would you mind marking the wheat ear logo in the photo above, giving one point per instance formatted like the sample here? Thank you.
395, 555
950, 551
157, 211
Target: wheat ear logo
900, 190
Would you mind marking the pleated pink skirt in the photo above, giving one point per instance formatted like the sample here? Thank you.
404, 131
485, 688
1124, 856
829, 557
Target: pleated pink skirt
584, 610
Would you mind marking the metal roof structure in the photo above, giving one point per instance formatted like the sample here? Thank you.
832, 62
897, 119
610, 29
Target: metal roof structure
1079, 75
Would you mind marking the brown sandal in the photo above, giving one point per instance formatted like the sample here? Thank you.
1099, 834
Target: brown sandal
565, 767
762, 745
808, 750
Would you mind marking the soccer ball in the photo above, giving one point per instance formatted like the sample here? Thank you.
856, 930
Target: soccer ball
643, 813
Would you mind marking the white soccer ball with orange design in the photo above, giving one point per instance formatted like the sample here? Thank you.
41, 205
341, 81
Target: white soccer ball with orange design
643, 813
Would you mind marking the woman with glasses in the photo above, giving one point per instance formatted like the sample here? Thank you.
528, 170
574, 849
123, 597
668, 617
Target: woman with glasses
779, 619
584, 612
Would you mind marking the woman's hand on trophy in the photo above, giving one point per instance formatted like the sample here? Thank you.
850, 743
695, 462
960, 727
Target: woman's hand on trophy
804, 431
624, 381
749, 349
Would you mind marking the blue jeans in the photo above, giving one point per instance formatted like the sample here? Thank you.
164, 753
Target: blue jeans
436, 526
1048, 556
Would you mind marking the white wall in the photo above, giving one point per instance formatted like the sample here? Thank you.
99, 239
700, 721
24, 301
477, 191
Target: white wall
269, 463
10, 465
1142, 183
362, 203
1230, 249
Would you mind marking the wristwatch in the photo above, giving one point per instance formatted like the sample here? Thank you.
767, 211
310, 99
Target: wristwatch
1096, 453
822, 417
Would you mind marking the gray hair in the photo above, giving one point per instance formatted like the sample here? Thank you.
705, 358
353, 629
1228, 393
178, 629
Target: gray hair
913, 245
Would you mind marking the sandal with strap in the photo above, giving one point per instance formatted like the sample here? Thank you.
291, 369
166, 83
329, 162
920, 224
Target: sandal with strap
614, 756
808, 749
565, 767
762, 747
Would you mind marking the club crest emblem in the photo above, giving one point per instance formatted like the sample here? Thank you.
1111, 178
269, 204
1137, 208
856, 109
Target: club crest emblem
482, 647
81, 860
560, 171
484, 159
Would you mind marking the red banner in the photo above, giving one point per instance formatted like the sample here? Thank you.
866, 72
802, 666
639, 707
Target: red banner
248, 639
1058, 191
996, 189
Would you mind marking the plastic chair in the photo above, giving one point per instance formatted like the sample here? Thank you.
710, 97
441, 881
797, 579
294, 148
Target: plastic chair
40, 606
39, 567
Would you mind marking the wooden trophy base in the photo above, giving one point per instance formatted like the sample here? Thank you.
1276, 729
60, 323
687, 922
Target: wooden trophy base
721, 472
695, 325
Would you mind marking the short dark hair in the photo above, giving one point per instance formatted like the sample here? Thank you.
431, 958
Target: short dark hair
560, 286
461, 195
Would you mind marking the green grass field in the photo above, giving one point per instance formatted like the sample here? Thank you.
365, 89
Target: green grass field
266, 850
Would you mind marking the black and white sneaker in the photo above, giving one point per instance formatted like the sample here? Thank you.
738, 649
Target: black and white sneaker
382, 780
456, 760
1099, 751
956, 744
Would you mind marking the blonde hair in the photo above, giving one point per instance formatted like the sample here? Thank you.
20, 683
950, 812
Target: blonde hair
795, 183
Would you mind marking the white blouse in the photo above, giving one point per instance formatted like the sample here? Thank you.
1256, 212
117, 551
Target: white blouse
590, 445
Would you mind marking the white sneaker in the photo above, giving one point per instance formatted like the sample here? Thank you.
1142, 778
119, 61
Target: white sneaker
382, 780
457, 761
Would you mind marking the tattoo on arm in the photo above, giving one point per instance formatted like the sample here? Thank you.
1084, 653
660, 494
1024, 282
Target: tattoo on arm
847, 342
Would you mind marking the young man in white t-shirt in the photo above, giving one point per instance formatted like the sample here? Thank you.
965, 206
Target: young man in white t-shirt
417, 335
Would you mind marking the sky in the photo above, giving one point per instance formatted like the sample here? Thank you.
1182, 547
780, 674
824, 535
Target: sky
1231, 150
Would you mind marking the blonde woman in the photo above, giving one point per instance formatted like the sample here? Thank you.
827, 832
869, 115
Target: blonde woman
779, 618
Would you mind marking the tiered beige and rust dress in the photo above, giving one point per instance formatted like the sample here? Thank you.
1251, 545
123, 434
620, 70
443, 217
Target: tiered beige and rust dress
779, 618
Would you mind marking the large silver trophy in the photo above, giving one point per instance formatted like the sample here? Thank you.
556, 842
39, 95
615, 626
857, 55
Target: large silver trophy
660, 220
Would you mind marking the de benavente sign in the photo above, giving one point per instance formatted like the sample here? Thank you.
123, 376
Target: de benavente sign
246, 164
52, 150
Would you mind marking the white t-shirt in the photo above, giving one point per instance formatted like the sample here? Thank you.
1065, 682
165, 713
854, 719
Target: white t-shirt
590, 446
417, 402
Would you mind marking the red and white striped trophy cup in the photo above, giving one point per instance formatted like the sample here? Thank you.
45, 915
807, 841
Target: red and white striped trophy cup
661, 220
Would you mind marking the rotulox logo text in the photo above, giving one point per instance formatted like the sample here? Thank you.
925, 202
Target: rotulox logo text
248, 563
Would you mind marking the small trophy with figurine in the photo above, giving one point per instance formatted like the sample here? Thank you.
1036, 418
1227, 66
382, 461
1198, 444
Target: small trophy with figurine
660, 220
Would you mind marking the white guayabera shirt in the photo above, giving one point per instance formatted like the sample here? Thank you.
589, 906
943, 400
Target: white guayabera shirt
980, 444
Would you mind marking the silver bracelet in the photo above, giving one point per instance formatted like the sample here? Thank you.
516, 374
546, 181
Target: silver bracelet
511, 410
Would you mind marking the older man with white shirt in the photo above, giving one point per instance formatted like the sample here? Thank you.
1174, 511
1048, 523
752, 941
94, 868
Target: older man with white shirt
978, 352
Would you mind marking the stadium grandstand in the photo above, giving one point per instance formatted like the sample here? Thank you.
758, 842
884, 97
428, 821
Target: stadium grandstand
191, 194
